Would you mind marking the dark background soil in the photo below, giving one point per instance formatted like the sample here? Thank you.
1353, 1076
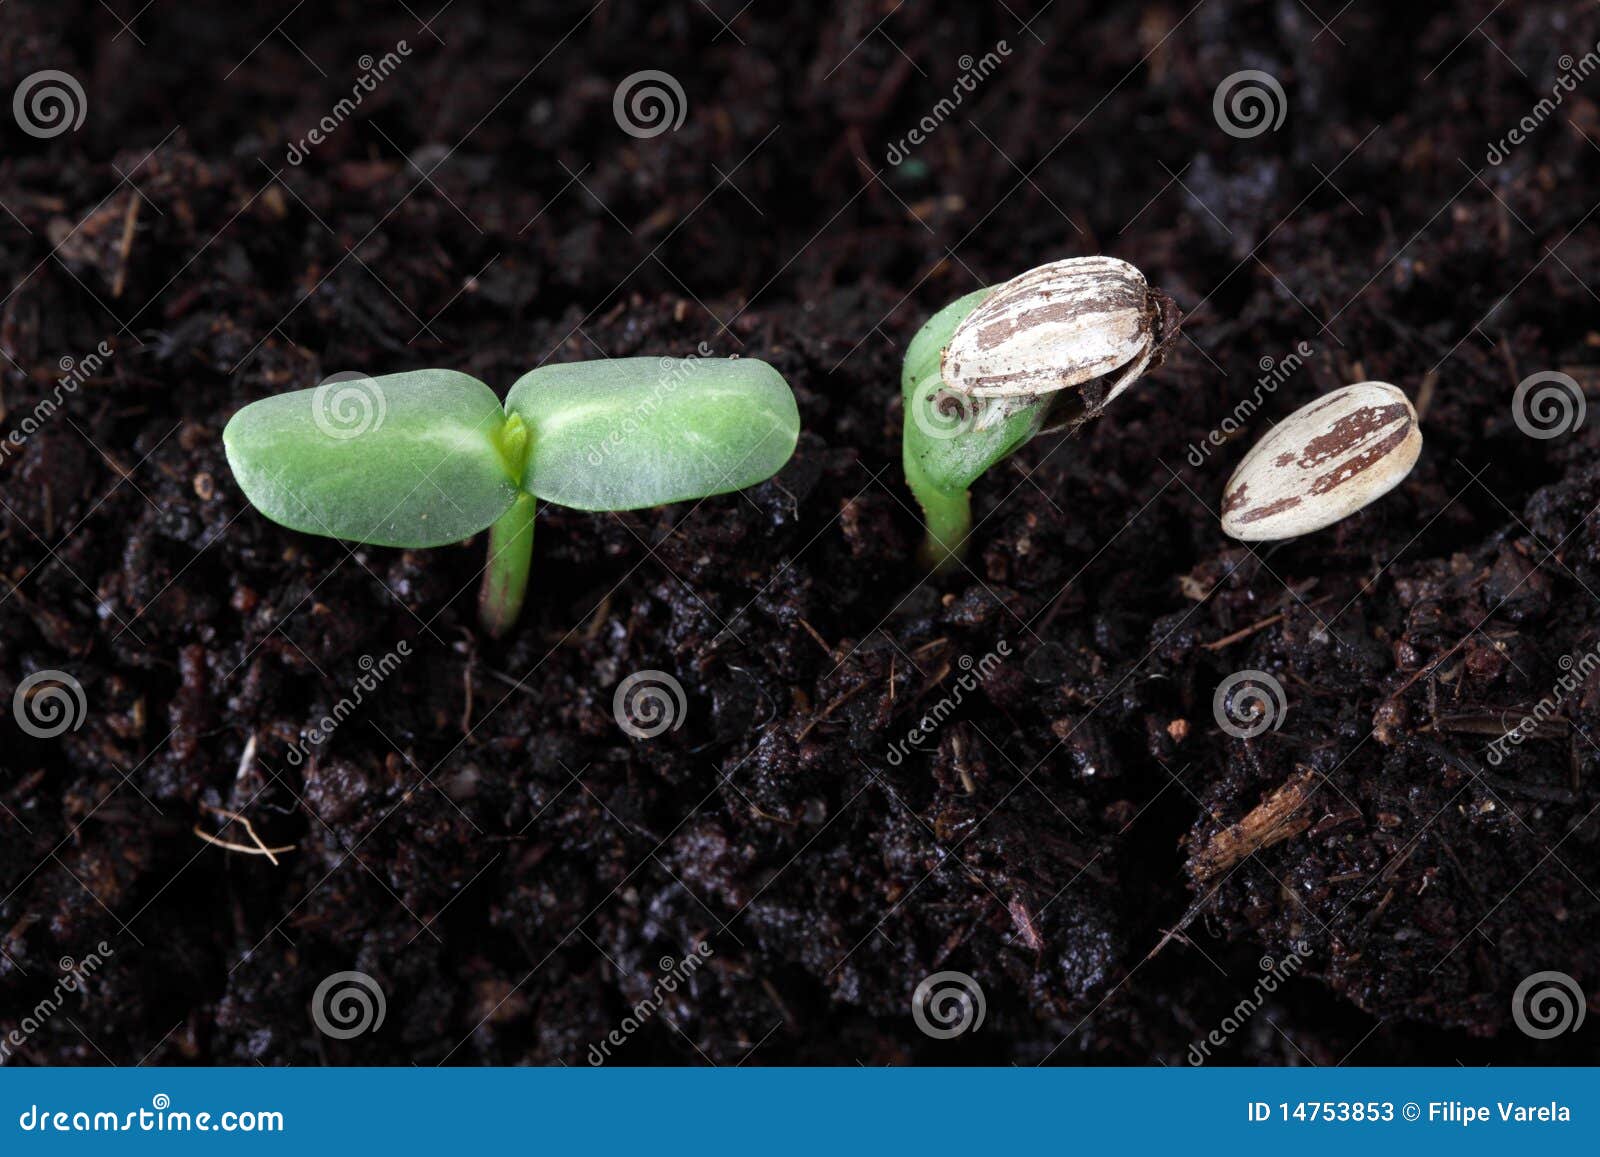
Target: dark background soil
482, 838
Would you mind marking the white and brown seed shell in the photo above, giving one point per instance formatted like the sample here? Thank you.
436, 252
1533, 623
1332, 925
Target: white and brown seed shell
1055, 327
1322, 463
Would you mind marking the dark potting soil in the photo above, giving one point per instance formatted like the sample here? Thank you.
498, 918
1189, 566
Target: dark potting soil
1072, 829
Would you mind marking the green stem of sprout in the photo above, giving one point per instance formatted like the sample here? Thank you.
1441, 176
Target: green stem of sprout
947, 515
943, 451
505, 576
505, 580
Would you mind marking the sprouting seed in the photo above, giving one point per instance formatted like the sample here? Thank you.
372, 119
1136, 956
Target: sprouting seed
431, 457
987, 372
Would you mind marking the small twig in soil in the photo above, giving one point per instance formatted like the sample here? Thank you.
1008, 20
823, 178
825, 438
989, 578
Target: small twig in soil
1425, 394
1372, 917
831, 708
260, 848
598, 619
246, 758
1023, 919
128, 223
821, 642
958, 756
1174, 933
514, 684
772, 994
1245, 633
1275, 819
1500, 721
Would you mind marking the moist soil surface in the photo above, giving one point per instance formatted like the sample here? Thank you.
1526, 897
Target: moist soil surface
1014, 771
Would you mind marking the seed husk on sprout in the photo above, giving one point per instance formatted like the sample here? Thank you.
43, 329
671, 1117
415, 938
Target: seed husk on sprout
1047, 349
